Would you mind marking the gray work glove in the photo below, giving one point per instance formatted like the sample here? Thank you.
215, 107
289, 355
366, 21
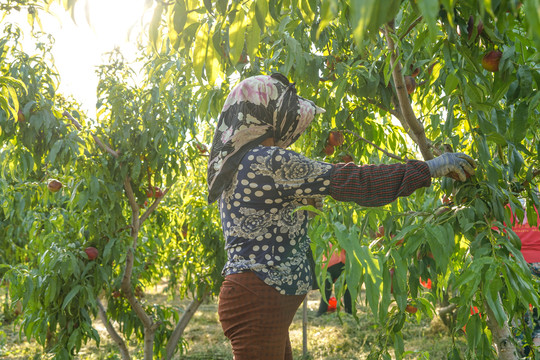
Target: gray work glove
455, 165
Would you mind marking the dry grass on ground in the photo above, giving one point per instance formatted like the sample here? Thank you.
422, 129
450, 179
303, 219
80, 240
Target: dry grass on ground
330, 337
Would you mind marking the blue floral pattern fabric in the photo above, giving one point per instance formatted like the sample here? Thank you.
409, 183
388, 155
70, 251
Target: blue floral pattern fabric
263, 230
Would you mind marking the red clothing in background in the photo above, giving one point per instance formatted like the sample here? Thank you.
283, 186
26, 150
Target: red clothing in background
337, 257
530, 239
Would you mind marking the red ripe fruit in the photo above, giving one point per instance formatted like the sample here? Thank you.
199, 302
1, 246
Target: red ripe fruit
91, 252
154, 192
410, 84
328, 149
335, 138
202, 148
491, 60
54, 185
347, 158
411, 309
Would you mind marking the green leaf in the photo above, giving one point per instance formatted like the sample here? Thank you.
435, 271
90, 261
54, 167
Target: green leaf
441, 242
525, 79
254, 38
199, 51
153, 31
474, 331
237, 34
361, 12
306, 10
55, 150
221, 6
430, 11
516, 160
212, 62
329, 11
261, 11
519, 123
451, 83
179, 16
483, 150
493, 299
208, 5
533, 19
71, 295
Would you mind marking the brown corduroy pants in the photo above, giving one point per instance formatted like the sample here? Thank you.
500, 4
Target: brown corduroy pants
256, 318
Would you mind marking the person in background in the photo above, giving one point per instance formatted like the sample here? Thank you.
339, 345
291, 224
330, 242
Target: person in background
336, 265
260, 184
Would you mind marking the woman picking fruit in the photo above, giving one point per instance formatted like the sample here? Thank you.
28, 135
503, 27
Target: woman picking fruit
260, 184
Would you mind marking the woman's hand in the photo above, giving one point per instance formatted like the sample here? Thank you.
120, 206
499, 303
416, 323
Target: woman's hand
458, 166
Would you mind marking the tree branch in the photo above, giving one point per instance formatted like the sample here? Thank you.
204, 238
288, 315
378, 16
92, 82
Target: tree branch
112, 331
152, 207
126, 279
447, 309
181, 326
384, 108
403, 98
102, 145
389, 154
414, 23
403, 122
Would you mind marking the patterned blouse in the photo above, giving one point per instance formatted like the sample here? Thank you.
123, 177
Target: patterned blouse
265, 234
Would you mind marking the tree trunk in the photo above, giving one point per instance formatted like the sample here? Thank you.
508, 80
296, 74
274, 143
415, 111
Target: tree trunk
181, 326
502, 337
149, 335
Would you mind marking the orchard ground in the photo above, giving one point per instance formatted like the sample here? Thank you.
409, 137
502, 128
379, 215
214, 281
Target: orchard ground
330, 337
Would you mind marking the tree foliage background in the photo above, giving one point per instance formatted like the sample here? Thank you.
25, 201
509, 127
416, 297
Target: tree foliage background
400, 79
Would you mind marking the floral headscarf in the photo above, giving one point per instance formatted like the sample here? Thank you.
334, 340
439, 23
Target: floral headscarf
258, 108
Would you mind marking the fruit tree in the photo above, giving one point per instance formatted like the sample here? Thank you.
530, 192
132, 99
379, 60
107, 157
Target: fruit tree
398, 79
